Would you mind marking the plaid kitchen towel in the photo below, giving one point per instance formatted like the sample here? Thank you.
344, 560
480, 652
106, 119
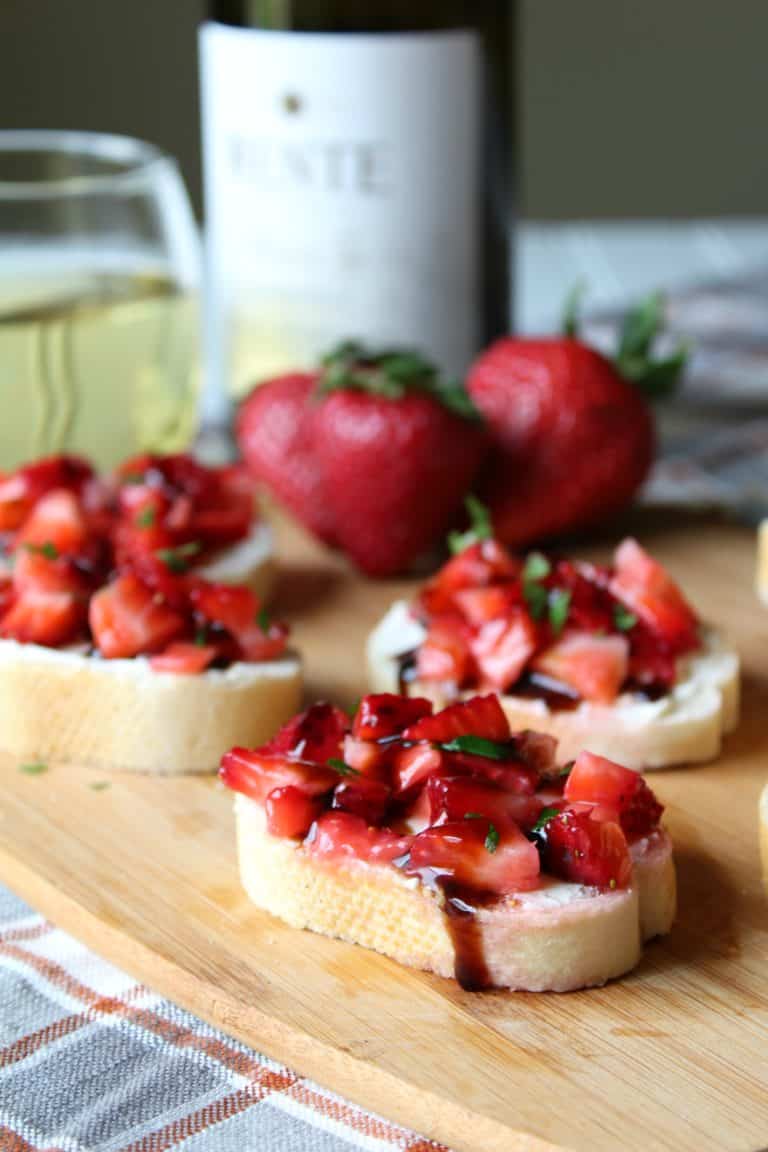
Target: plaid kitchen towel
90, 1061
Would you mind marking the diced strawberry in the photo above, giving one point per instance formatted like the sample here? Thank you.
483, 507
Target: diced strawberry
502, 648
483, 563
595, 666
511, 774
367, 757
234, 607
184, 659
227, 515
128, 619
600, 781
342, 836
652, 661
647, 589
476, 853
384, 714
291, 812
268, 643
444, 654
56, 522
590, 607
456, 797
496, 602
6, 593
315, 735
256, 773
584, 850
412, 766
362, 796
47, 618
480, 716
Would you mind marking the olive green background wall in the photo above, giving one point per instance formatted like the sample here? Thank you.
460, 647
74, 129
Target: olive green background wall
627, 108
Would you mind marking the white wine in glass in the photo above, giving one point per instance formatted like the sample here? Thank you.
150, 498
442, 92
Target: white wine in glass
99, 268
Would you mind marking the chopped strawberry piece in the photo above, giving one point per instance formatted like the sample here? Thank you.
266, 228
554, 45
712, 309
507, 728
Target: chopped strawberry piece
483, 563
6, 594
184, 659
20, 491
457, 797
342, 836
595, 666
234, 607
384, 714
477, 854
647, 589
264, 643
444, 655
509, 774
48, 618
366, 757
57, 523
481, 716
128, 619
291, 812
315, 735
600, 781
585, 850
256, 773
413, 765
362, 796
496, 602
502, 648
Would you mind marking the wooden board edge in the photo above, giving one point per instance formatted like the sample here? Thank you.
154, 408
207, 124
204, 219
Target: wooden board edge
369, 1087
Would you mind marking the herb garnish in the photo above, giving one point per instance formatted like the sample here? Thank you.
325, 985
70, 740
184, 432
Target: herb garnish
201, 637
34, 769
559, 606
477, 746
262, 619
99, 785
623, 618
342, 767
177, 559
545, 816
492, 839
47, 549
480, 526
146, 517
536, 567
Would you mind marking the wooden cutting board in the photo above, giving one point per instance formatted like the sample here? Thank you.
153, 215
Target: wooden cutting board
673, 1057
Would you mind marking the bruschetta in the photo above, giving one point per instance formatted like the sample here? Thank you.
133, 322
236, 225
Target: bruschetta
114, 650
611, 658
451, 844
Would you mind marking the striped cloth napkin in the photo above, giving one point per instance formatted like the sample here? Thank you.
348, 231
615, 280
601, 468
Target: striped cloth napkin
91, 1061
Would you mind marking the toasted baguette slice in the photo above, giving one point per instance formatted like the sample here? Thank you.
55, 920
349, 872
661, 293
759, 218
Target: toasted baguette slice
121, 714
251, 561
685, 726
763, 817
558, 938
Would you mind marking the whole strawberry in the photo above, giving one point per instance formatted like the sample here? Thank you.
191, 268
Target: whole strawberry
397, 450
274, 433
572, 432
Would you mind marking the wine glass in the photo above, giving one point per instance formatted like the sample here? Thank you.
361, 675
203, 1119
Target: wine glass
99, 272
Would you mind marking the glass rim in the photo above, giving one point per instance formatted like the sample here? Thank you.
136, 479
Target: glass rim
137, 156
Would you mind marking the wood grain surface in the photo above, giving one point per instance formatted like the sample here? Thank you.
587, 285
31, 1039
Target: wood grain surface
673, 1057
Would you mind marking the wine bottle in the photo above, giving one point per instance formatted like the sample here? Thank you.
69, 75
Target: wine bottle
356, 179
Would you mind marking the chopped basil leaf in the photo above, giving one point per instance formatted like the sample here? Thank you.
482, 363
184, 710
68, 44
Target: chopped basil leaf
35, 769
492, 838
177, 559
342, 767
481, 526
536, 567
477, 746
536, 597
146, 518
262, 619
201, 637
559, 606
132, 478
48, 549
545, 816
623, 618
566, 769
474, 816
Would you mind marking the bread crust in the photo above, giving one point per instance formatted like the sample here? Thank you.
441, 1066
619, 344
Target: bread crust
684, 727
122, 715
560, 939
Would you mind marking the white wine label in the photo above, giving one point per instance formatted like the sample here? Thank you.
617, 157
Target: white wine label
342, 187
